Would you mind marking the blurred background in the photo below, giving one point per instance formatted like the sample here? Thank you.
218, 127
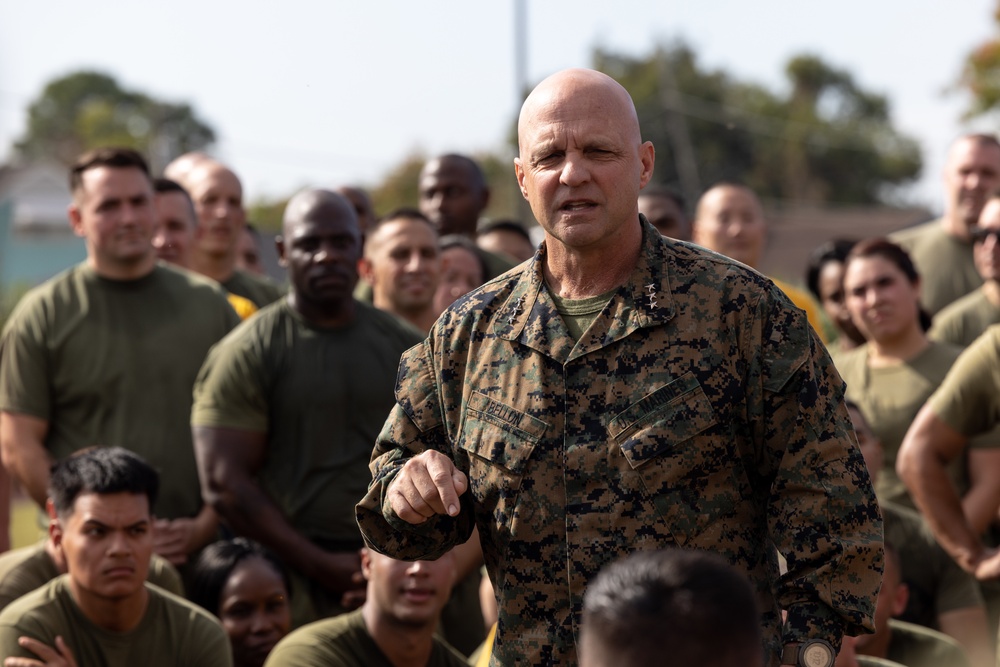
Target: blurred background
839, 115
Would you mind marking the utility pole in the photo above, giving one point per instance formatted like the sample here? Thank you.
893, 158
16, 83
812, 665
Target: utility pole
677, 130
522, 209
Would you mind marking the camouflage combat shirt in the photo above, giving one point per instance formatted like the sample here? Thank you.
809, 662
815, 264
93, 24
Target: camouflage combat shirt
699, 409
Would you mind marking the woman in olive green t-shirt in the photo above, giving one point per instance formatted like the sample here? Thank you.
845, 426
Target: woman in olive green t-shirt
892, 375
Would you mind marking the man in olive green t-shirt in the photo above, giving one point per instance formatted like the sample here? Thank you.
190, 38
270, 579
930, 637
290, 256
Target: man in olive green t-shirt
107, 352
942, 248
218, 202
288, 406
966, 319
102, 613
25, 569
394, 627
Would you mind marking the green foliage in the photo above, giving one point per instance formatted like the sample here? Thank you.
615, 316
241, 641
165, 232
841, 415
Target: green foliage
825, 141
86, 110
980, 76
401, 186
266, 214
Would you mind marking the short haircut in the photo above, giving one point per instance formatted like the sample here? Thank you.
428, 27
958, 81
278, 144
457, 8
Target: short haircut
676, 602
505, 226
401, 213
161, 185
216, 564
981, 138
165, 185
119, 158
449, 241
101, 470
666, 192
467, 163
835, 250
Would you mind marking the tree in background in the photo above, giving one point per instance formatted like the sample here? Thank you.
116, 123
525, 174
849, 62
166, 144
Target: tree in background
826, 141
980, 76
86, 110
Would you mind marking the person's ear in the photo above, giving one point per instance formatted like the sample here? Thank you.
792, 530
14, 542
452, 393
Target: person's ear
279, 245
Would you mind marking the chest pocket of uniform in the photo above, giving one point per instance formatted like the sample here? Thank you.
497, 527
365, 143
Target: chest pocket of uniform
679, 411
686, 473
499, 440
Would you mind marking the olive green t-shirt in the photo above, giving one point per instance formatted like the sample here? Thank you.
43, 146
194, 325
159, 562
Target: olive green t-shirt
917, 646
344, 641
321, 395
258, 289
579, 314
945, 264
969, 398
937, 584
889, 399
109, 362
965, 320
172, 631
25, 569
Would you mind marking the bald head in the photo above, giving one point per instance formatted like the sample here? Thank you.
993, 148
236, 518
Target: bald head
320, 246
582, 163
183, 165
362, 204
318, 204
730, 220
579, 91
453, 194
218, 201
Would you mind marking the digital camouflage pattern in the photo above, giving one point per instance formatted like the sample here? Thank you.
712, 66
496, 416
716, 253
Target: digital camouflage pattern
698, 410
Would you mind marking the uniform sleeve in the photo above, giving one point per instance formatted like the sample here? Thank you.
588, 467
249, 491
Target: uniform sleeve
967, 399
822, 512
230, 390
24, 363
414, 425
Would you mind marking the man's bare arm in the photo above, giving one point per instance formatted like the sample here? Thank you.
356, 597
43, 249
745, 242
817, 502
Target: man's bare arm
981, 501
929, 446
969, 626
22, 446
228, 462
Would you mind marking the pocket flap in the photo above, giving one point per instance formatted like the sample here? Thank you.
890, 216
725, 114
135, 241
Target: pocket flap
680, 408
499, 433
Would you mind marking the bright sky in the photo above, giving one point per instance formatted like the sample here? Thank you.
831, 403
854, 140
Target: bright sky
326, 93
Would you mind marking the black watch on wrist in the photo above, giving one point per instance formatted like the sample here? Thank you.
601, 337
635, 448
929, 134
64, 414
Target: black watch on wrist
810, 653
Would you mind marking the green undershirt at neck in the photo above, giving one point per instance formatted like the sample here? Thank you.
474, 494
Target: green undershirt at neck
579, 314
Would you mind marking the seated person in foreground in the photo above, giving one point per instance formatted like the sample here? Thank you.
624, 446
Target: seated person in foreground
394, 627
247, 588
103, 613
670, 608
25, 569
906, 643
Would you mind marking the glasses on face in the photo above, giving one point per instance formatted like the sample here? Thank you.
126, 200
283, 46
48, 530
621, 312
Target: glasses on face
980, 234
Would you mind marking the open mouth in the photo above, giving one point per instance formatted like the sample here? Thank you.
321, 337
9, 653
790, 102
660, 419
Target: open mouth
577, 205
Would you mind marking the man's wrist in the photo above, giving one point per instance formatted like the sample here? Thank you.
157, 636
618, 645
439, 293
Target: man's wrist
810, 653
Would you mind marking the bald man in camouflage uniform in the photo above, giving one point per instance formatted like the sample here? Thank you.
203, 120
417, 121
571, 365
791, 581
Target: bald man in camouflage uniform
625, 392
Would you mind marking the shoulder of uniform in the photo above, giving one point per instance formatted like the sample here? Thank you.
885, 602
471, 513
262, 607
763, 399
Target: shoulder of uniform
690, 263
